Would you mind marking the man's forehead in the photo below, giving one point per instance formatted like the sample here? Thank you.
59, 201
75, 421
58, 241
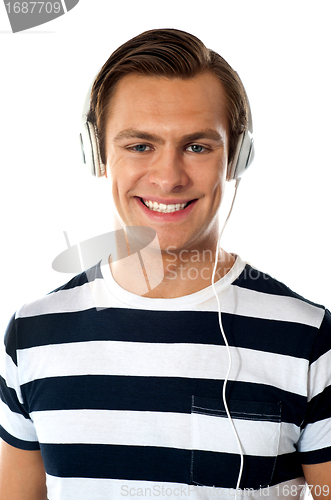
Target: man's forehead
141, 99
203, 85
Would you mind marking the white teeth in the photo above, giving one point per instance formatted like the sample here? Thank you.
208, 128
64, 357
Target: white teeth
161, 207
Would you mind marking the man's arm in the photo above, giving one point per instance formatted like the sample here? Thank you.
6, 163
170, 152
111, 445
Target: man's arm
22, 474
318, 476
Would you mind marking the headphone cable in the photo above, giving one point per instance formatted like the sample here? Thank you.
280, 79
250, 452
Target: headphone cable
227, 346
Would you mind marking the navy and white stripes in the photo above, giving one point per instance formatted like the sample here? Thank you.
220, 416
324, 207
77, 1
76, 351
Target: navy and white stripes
121, 392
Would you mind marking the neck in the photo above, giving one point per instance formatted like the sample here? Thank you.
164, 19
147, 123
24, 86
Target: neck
187, 272
177, 274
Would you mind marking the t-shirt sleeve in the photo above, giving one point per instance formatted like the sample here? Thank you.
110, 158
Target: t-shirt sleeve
16, 426
315, 441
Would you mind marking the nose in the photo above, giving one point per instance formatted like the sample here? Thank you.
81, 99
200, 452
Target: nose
168, 171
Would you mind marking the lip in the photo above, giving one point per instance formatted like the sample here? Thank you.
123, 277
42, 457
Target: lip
164, 217
170, 201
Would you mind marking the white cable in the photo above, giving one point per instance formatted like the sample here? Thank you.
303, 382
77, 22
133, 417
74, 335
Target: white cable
227, 347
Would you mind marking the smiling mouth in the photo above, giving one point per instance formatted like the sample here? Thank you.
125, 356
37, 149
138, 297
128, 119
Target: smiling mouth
166, 209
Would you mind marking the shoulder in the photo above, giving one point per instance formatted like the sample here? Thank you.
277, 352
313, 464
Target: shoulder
52, 317
72, 296
259, 281
276, 300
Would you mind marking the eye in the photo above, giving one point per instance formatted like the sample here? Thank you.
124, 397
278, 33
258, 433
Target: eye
140, 148
197, 148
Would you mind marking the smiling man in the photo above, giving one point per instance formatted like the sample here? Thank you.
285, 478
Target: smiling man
167, 159
107, 393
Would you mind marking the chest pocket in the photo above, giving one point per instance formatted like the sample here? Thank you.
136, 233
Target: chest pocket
215, 457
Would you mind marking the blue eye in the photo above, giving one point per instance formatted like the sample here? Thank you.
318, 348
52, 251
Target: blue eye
140, 148
196, 148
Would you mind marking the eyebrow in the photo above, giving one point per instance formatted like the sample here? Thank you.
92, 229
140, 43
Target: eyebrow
131, 133
203, 134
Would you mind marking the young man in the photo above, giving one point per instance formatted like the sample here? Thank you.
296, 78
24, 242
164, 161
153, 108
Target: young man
108, 393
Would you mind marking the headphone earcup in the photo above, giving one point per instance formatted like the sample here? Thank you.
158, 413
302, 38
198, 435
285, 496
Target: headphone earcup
90, 150
243, 156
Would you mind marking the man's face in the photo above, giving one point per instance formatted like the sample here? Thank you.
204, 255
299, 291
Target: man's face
167, 149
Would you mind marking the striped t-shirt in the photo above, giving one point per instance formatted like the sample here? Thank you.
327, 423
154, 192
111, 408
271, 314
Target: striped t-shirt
123, 394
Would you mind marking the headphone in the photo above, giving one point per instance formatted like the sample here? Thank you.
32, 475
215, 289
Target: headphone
245, 152
89, 140
242, 158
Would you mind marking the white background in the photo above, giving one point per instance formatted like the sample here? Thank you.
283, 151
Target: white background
281, 217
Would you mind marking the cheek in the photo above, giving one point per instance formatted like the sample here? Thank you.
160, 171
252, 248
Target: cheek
217, 183
124, 180
212, 176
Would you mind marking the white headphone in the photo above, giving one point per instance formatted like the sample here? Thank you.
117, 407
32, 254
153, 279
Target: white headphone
244, 154
242, 158
90, 141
